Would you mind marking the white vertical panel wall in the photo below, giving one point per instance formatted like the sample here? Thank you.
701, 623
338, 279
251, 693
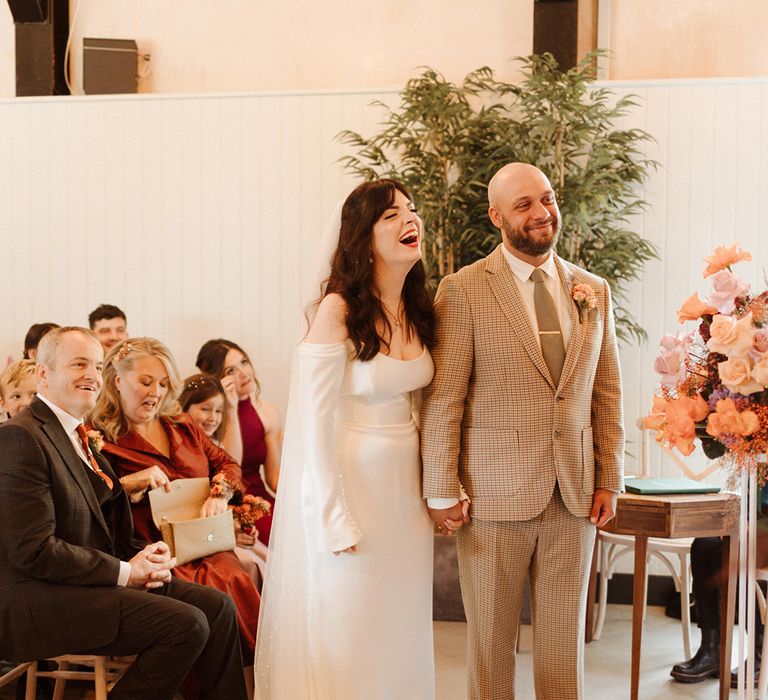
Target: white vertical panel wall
197, 215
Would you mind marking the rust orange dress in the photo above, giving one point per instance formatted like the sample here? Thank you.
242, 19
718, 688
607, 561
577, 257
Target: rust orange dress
192, 454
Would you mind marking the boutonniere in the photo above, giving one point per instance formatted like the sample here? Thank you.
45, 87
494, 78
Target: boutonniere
95, 441
585, 299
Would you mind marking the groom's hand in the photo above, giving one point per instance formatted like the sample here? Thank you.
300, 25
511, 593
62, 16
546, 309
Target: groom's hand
449, 520
603, 506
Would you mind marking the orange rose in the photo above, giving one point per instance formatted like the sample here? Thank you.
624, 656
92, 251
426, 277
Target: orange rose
682, 414
724, 257
657, 418
693, 309
727, 420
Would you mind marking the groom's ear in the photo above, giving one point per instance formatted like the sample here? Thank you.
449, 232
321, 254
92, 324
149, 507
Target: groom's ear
495, 217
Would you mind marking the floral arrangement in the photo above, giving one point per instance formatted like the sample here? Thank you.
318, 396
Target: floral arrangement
714, 380
585, 299
95, 441
248, 510
221, 487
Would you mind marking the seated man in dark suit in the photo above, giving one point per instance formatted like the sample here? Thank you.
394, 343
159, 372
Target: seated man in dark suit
73, 580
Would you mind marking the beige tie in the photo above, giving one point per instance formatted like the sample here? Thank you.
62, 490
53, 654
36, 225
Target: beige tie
550, 335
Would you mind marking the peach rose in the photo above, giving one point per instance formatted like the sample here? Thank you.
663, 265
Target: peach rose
730, 336
726, 287
760, 370
727, 420
736, 375
723, 257
693, 309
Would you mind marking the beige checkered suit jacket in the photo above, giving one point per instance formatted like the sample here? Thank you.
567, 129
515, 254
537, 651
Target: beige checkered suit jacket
492, 418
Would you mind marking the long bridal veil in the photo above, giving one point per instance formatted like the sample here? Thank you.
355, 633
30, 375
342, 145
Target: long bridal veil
281, 667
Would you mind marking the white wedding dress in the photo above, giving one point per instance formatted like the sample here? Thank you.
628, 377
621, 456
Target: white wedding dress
356, 626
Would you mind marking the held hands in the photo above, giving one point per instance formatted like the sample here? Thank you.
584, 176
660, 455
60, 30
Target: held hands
603, 506
212, 506
151, 567
449, 520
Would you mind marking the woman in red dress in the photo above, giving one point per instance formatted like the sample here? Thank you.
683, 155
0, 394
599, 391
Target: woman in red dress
149, 441
260, 425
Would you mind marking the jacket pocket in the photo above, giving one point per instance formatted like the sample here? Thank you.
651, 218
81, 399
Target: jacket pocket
491, 462
587, 462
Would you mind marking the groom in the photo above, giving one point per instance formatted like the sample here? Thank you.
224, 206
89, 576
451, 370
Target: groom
525, 414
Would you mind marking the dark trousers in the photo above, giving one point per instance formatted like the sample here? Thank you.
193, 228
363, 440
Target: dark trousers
171, 629
706, 565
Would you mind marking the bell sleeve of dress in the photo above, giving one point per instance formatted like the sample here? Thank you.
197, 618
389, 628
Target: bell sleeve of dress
321, 370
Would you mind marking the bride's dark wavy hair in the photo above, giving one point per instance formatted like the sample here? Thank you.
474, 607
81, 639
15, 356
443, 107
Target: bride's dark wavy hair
352, 274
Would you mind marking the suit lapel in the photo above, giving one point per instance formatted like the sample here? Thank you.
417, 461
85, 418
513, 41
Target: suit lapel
76, 467
504, 288
578, 327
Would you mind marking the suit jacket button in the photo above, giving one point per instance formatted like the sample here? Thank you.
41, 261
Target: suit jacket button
557, 433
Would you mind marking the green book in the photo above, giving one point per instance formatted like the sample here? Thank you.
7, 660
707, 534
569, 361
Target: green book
661, 486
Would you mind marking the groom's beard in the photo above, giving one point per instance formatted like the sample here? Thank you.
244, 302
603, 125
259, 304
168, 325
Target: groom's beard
524, 242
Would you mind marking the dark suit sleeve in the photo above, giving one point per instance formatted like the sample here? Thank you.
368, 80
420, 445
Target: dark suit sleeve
44, 518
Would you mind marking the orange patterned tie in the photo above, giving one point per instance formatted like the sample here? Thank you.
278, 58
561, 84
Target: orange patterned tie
94, 464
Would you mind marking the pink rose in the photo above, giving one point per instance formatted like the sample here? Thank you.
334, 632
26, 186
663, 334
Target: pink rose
725, 288
725, 256
736, 375
760, 340
760, 371
730, 336
680, 342
694, 308
670, 365
727, 420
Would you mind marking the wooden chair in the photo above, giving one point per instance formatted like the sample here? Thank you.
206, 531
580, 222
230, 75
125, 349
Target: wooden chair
612, 547
104, 671
16, 672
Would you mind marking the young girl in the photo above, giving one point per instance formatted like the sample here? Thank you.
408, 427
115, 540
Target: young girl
205, 400
260, 425
214, 409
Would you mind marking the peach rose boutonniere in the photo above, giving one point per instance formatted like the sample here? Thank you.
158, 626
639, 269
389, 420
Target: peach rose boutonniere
95, 441
585, 299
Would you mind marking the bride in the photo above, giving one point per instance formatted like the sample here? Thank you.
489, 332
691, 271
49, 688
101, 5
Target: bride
347, 604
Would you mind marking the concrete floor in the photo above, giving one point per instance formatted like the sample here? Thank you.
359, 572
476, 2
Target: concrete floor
607, 661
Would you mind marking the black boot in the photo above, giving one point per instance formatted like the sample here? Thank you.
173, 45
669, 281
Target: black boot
758, 655
705, 662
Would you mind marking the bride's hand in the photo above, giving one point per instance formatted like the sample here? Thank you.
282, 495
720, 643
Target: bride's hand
348, 550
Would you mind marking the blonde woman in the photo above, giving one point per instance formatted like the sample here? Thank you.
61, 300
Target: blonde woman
149, 441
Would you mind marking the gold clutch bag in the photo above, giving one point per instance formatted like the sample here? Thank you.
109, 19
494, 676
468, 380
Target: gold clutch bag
176, 513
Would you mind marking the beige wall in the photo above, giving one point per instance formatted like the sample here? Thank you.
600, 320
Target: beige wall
243, 45
686, 38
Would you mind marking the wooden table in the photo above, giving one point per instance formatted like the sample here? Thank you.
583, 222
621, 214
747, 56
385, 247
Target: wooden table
700, 515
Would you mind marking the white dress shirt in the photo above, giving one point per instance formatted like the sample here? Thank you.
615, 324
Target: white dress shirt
70, 423
522, 275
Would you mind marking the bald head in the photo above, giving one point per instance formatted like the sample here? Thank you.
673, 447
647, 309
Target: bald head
523, 207
510, 178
